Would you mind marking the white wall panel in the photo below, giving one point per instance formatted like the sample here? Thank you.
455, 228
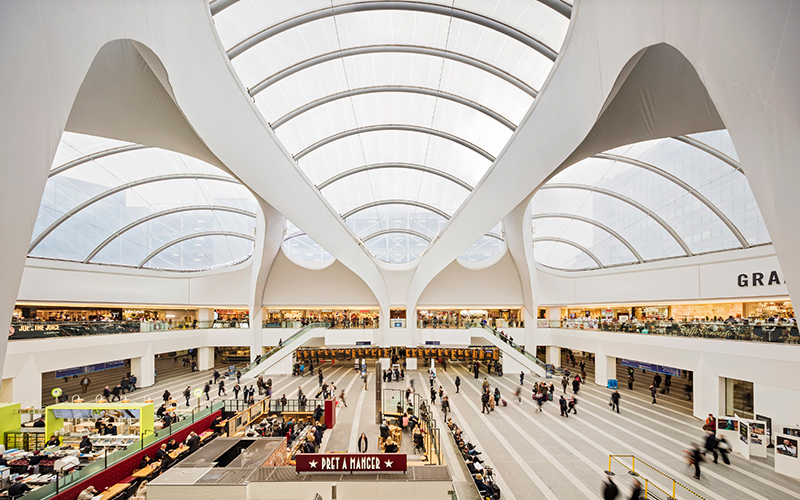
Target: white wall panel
497, 285
708, 277
292, 285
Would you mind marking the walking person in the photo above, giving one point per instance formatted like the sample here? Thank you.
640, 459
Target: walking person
562, 403
166, 396
711, 445
630, 381
363, 443
667, 383
85, 384
518, 394
216, 376
187, 393
576, 385
238, 376
207, 389
696, 456
564, 384
522, 378
433, 396
636, 494
485, 402
724, 448
571, 404
341, 396
320, 377
610, 490
653, 392
221, 391
236, 389
657, 381
615, 401
458, 383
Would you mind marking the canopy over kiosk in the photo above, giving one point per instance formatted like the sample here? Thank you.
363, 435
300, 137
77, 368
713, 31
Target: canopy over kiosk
56, 414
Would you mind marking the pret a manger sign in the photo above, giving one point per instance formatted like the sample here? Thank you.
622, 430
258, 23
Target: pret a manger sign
346, 462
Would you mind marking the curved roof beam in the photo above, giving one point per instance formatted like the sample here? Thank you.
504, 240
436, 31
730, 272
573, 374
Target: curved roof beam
559, 6
702, 146
95, 156
675, 180
595, 224
661, 222
395, 88
572, 244
411, 203
191, 237
383, 232
138, 222
410, 166
369, 6
404, 128
405, 49
117, 189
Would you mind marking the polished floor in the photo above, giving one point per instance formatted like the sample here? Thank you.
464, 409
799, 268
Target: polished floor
543, 455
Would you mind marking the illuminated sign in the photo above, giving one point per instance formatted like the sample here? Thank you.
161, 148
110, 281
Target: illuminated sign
346, 462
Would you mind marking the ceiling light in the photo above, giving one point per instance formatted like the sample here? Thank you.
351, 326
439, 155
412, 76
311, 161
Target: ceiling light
201, 221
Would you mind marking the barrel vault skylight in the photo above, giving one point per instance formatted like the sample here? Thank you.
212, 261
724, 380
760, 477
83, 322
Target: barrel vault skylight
111, 202
673, 197
395, 110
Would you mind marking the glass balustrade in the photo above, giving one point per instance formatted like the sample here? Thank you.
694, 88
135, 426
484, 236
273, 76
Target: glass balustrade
783, 332
48, 329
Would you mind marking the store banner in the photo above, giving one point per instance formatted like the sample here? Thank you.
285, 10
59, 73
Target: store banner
666, 370
351, 462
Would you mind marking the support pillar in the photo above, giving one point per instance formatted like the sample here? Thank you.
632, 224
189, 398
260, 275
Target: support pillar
25, 387
709, 391
553, 356
605, 367
205, 358
144, 368
205, 317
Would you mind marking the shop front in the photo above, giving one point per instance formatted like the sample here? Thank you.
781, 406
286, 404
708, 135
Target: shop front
461, 318
336, 318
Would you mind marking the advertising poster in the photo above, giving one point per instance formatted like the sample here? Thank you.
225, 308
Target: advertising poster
744, 439
786, 461
768, 422
791, 431
729, 427
758, 439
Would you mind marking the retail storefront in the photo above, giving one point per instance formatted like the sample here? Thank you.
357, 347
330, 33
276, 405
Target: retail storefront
460, 318
337, 318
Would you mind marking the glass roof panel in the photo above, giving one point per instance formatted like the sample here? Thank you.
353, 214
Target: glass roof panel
392, 184
393, 69
387, 217
484, 250
206, 252
394, 146
122, 200
562, 256
298, 76
704, 199
302, 249
397, 248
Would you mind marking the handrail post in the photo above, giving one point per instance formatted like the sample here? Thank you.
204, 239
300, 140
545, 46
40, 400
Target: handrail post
673, 488
609, 462
633, 464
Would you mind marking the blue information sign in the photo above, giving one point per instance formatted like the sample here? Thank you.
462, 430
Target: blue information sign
667, 370
79, 370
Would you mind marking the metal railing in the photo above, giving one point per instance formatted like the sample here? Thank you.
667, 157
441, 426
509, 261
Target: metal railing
293, 405
25, 330
763, 332
505, 338
285, 343
110, 459
675, 486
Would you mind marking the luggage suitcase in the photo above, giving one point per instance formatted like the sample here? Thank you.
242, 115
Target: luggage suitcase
550, 396
505, 403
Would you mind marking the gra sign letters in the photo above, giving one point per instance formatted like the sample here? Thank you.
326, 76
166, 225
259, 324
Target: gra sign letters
758, 279
347, 462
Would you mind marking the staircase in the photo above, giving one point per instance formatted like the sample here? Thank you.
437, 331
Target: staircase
275, 361
510, 349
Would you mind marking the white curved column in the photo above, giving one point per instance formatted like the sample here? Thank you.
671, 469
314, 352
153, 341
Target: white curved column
269, 237
746, 74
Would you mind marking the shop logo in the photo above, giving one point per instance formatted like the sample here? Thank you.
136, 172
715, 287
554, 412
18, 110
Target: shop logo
757, 279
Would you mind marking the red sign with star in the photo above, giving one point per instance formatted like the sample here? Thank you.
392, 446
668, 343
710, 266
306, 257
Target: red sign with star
350, 462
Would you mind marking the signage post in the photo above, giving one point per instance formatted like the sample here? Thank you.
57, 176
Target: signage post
56, 393
198, 393
378, 383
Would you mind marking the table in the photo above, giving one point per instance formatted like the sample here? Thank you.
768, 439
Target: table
147, 471
206, 435
114, 491
182, 448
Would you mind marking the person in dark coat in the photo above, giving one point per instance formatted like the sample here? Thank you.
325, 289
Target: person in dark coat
615, 401
193, 442
636, 494
610, 490
363, 443
562, 403
653, 393
458, 383
711, 445
697, 457
576, 385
